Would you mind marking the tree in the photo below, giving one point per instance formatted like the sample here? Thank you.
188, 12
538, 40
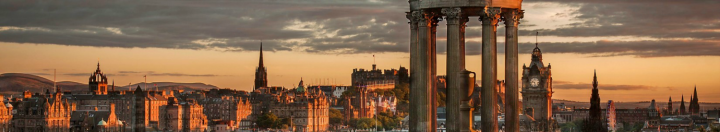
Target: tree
267, 120
336, 117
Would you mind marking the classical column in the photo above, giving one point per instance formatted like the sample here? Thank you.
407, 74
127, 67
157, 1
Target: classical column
420, 76
455, 63
489, 19
433, 72
511, 19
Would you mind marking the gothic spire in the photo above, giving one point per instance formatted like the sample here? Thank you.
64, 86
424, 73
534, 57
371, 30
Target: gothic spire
595, 82
261, 56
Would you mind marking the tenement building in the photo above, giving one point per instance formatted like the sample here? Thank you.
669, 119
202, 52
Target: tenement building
6, 115
228, 109
184, 116
359, 106
537, 95
96, 121
42, 112
308, 109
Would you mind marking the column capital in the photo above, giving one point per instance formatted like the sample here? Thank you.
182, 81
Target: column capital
512, 17
491, 16
452, 14
424, 18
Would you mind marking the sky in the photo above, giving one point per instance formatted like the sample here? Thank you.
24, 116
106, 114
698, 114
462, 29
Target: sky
642, 50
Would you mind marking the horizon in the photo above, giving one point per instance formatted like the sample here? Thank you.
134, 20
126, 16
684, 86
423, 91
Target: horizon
638, 57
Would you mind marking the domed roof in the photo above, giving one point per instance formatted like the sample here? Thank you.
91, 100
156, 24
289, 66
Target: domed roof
119, 122
102, 122
8, 105
536, 52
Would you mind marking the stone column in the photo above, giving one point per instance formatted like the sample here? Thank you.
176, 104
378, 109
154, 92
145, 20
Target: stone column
455, 63
433, 72
511, 19
420, 79
489, 19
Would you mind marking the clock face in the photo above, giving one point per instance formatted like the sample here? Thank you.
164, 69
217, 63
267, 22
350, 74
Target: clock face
534, 82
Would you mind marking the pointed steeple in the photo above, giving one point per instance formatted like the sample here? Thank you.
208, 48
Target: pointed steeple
595, 82
260, 72
261, 56
682, 104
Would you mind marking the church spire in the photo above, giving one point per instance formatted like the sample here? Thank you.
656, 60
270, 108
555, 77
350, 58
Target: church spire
261, 72
261, 56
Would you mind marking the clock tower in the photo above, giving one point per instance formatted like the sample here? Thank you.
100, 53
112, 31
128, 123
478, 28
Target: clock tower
537, 88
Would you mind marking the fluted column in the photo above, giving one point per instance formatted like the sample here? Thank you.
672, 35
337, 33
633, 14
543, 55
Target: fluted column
420, 75
433, 72
489, 20
455, 63
511, 19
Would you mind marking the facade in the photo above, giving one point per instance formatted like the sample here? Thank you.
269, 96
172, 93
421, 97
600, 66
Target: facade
96, 121
6, 115
42, 112
184, 116
359, 106
386, 103
537, 94
308, 109
229, 109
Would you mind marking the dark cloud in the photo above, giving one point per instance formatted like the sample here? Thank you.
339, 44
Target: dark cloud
344, 26
641, 18
580, 86
89, 74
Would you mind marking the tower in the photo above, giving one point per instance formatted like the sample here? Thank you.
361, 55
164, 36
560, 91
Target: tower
595, 122
98, 82
537, 88
261, 72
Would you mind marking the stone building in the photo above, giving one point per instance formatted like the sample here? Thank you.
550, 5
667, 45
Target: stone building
378, 79
386, 103
308, 109
96, 121
537, 94
42, 112
229, 108
6, 115
184, 116
359, 106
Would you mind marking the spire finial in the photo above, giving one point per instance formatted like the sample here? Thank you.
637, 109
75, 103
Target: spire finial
536, 39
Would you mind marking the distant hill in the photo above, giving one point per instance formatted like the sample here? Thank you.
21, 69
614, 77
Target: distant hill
13, 83
16, 83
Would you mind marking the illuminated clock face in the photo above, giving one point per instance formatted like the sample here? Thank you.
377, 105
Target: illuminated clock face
534, 82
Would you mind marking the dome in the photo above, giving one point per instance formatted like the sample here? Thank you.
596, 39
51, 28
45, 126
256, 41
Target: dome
102, 122
119, 122
8, 105
536, 52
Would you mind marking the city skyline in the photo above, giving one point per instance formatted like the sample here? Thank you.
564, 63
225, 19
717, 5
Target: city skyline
635, 62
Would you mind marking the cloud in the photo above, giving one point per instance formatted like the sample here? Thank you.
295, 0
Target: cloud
89, 74
581, 86
182, 74
132, 71
649, 48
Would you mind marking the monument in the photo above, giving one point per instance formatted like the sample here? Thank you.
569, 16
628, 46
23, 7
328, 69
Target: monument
424, 16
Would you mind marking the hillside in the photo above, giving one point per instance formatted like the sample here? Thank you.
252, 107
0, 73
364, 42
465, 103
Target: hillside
16, 83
